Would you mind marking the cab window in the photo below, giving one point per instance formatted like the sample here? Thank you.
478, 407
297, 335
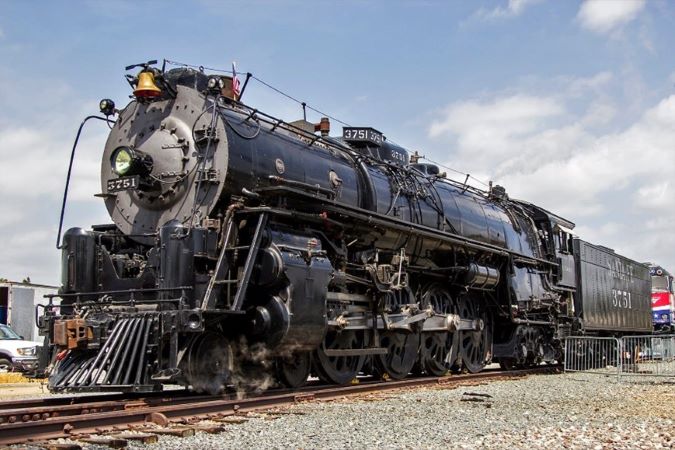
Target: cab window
562, 240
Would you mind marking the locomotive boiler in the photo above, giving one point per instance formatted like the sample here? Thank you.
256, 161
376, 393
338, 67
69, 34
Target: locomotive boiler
244, 246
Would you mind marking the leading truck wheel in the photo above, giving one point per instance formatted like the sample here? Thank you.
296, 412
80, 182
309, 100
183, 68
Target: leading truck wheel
208, 363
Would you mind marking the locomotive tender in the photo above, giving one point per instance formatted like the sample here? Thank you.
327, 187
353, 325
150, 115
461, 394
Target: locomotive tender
244, 245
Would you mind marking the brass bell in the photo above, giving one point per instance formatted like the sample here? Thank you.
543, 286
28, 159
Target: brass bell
146, 87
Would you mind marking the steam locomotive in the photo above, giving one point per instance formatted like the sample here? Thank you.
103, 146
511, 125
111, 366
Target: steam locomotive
245, 246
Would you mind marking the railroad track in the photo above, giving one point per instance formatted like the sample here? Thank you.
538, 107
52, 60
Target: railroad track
33, 421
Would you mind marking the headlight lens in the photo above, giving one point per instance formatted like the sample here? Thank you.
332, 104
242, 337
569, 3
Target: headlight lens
26, 351
121, 161
126, 161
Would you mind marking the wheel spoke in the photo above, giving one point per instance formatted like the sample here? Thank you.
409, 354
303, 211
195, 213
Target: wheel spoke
339, 369
475, 343
401, 354
209, 363
402, 347
439, 349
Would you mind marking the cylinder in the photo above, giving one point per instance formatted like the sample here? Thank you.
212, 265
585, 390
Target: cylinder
481, 277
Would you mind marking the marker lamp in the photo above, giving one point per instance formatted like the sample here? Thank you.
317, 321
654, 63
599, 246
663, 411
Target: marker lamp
107, 107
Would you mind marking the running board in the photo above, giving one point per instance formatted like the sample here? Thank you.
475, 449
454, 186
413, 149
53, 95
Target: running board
355, 351
402, 322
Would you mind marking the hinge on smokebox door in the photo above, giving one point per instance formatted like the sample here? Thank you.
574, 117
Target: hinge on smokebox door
208, 176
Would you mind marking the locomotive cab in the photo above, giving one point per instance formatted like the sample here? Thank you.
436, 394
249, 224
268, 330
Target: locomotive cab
562, 243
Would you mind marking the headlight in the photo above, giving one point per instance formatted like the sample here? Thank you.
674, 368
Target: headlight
126, 161
121, 161
26, 351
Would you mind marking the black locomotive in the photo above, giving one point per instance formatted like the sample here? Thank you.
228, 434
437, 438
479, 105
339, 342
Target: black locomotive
243, 246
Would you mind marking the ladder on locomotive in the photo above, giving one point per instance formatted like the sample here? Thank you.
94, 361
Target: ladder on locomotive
222, 274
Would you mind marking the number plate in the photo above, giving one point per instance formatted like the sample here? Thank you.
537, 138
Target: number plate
123, 184
358, 134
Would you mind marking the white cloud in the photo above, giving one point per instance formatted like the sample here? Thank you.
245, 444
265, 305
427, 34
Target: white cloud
603, 16
32, 178
10, 217
513, 8
39, 158
599, 112
485, 130
36, 146
580, 86
655, 196
573, 156
511, 115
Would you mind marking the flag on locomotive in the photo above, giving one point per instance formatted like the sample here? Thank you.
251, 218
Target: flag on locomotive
236, 88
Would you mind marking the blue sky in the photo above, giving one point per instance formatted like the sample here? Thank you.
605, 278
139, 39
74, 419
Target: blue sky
567, 104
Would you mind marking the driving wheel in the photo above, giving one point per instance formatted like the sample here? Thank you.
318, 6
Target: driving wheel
339, 369
438, 349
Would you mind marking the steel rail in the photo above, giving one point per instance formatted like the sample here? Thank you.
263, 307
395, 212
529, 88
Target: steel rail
87, 398
139, 411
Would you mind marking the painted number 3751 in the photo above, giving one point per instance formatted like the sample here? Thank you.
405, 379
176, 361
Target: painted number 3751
621, 299
122, 184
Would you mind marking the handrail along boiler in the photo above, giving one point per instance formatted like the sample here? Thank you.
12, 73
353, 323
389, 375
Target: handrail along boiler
242, 245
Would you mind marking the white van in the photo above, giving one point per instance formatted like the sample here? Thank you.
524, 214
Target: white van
16, 353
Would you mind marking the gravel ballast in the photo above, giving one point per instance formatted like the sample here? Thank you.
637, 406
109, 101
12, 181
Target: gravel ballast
573, 411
